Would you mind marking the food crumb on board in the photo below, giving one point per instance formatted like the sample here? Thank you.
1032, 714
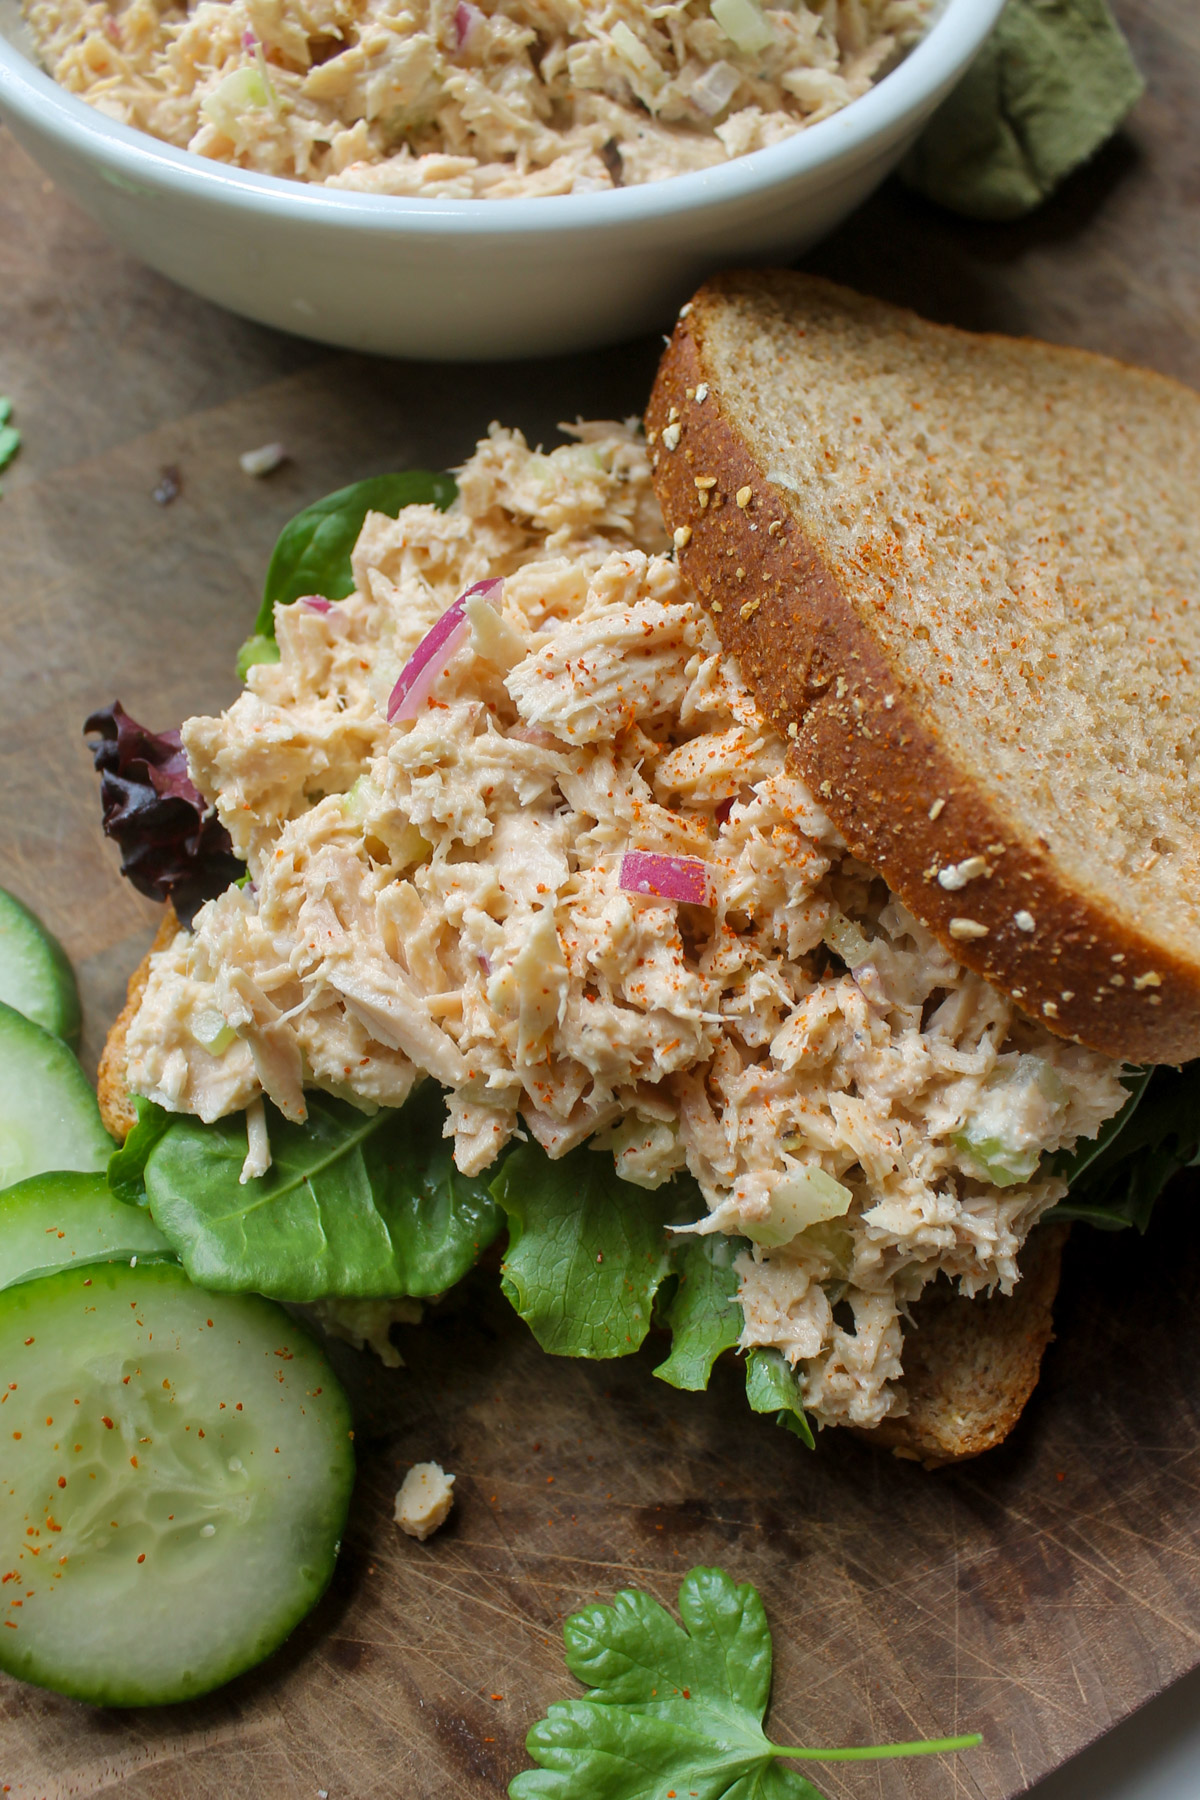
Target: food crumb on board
424, 1500
263, 461
170, 485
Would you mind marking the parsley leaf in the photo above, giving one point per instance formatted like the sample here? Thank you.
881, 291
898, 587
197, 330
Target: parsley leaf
674, 1706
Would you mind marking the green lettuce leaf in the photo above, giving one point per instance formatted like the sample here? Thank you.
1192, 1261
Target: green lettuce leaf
587, 1252
127, 1166
312, 554
1072, 1165
1117, 1177
675, 1709
352, 1205
772, 1387
702, 1312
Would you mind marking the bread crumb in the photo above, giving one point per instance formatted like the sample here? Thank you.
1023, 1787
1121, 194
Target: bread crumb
936, 810
685, 310
1024, 921
1148, 980
957, 875
672, 415
683, 536
967, 928
793, 730
424, 1500
717, 607
751, 607
670, 437
744, 496
263, 461
1050, 1009
702, 392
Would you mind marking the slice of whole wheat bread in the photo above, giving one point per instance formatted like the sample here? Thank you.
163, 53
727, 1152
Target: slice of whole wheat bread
962, 574
970, 1365
112, 1078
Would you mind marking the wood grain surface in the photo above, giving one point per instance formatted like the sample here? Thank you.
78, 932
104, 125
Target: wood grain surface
1037, 1595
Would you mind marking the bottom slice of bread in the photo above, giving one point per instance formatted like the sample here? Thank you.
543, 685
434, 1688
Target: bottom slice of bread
112, 1078
969, 1365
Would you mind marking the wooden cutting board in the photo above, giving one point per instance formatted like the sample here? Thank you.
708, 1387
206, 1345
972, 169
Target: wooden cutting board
1036, 1595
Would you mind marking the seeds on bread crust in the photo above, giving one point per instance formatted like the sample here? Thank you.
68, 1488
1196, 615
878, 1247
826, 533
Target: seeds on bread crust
1081, 954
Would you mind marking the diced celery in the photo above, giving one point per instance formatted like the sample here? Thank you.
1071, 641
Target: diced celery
1018, 1117
742, 22
847, 940
997, 1161
243, 91
799, 1201
210, 1031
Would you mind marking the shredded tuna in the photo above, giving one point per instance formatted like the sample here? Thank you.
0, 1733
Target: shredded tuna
442, 898
517, 97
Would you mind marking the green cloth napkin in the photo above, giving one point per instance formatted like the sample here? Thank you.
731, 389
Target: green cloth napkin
1053, 81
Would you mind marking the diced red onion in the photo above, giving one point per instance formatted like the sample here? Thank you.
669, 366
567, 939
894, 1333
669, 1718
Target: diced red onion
467, 20
429, 659
684, 879
315, 603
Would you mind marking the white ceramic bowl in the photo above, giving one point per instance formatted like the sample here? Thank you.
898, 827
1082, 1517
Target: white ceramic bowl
466, 279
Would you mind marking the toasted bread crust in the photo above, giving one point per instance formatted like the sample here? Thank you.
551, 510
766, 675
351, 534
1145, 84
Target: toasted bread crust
876, 761
971, 1365
112, 1080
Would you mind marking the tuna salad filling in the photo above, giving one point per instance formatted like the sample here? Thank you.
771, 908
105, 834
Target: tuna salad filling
456, 101
577, 881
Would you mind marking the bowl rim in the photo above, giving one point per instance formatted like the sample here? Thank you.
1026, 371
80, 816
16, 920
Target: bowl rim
125, 155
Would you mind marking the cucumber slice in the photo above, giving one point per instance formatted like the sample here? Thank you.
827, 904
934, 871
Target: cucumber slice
177, 1469
64, 1221
35, 976
48, 1114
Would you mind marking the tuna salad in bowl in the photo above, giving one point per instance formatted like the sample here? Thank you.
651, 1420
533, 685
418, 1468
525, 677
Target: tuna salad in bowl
538, 918
516, 98
469, 181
